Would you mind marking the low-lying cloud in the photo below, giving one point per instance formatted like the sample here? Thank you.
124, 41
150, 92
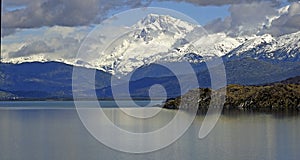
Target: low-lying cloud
51, 43
31, 49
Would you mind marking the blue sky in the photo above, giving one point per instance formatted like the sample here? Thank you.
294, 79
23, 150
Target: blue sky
202, 14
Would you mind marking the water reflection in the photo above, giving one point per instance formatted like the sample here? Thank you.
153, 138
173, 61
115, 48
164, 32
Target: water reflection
59, 134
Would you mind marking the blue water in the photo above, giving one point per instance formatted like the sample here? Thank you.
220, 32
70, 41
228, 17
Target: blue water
58, 134
70, 104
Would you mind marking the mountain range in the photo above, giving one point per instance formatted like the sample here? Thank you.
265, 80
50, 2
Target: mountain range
248, 60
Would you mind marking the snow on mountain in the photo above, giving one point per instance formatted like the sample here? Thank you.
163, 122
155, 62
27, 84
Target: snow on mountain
252, 43
150, 40
284, 10
266, 47
32, 58
218, 44
154, 23
42, 58
162, 38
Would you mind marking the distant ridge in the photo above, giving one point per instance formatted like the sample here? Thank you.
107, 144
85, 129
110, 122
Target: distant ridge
53, 80
293, 80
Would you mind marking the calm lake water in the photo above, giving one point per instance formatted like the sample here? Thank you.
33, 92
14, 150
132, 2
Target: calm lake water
53, 131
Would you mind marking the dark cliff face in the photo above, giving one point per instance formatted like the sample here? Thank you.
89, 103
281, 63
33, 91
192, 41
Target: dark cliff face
277, 96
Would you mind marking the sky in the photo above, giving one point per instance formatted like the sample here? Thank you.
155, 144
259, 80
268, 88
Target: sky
202, 14
57, 27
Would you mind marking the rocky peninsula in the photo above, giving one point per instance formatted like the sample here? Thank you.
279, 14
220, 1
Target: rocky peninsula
279, 96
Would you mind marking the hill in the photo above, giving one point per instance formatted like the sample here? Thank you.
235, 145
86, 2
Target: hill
277, 96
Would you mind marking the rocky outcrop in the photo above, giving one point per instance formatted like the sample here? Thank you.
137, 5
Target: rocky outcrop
277, 96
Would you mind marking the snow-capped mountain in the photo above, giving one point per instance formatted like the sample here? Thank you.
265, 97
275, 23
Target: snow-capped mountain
266, 47
162, 38
152, 39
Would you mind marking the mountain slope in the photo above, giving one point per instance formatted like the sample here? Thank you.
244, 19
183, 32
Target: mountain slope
246, 71
268, 48
40, 80
54, 80
293, 80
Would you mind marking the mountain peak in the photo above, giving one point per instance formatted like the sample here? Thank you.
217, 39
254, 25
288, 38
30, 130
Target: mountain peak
157, 22
152, 18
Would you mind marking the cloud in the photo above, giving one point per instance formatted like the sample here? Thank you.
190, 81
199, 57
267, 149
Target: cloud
39, 13
247, 16
250, 14
52, 12
12, 3
223, 2
31, 49
288, 22
59, 12
218, 25
50, 42
247, 19
258, 18
7, 31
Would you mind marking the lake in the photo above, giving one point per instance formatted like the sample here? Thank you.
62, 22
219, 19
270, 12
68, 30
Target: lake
53, 131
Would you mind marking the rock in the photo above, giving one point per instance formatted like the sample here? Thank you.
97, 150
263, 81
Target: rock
276, 96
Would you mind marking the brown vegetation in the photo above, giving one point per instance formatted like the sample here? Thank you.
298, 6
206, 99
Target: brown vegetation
274, 97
